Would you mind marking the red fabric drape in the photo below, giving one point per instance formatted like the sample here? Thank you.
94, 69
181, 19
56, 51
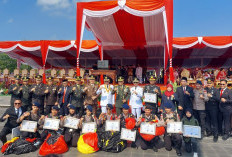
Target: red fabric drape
145, 5
44, 51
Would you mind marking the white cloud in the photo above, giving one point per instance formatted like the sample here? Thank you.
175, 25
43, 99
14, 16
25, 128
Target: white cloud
54, 4
11, 20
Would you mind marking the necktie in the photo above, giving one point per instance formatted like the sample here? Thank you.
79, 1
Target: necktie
17, 112
184, 89
64, 94
221, 92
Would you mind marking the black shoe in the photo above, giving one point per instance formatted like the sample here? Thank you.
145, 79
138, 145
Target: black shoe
168, 149
133, 145
215, 138
202, 135
155, 149
208, 134
225, 137
178, 152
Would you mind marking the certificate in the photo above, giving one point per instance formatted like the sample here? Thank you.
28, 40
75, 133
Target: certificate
28, 126
150, 98
112, 125
192, 131
88, 127
51, 124
71, 122
127, 134
147, 128
174, 127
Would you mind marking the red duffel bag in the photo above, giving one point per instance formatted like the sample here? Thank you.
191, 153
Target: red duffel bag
130, 123
53, 145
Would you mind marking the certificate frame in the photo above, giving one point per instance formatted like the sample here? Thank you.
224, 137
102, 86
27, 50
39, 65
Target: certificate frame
55, 124
127, 134
147, 128
28, 126
175, 127
150, 98
89, 127
192, 131
112, 125
71, 122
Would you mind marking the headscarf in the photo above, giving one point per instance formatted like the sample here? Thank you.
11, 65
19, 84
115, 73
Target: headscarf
167, 93
189, 110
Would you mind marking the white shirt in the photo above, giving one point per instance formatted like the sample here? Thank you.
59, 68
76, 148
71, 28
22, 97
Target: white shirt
18, 110
136, 99
139, 71
106, 94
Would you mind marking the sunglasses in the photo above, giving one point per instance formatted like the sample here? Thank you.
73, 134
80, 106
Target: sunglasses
17, 103
222, 84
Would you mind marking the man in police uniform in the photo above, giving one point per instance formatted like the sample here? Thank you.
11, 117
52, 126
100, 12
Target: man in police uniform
77, 96
123, 94
212, 110
25, 94
51, 95
91, 95
152, 88
14, 90
105, 91
37, 91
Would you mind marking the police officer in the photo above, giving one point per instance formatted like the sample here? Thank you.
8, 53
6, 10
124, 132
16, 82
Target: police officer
37, 91
212, 110
123, 95
14, 90
77, 96
91, 95
25, 94
51, 95
152, 88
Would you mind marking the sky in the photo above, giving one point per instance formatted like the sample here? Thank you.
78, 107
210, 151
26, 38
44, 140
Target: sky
55, 19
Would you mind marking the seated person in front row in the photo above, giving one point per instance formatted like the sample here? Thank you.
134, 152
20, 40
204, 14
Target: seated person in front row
54, 114
33, 115
125, 114
172, 139
106, 116
89, 117
71, 135
156, 142
190, 143
11, 115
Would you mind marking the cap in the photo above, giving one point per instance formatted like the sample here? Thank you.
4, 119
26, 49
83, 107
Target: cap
25, 78
65, 80
152, 78
110, 106
184, 78
125, 106
135, 80
38, 77
209, 80
89, 108
120, 78
17, 77
50, 78
36, 104
56, 108
168, 105
199, 82
71, 107
106, 78
78, 78
91, 77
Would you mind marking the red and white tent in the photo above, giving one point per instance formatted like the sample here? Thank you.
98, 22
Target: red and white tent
204, 52
128, 25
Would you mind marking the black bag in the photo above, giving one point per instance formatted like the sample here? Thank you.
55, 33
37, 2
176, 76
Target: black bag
20, 146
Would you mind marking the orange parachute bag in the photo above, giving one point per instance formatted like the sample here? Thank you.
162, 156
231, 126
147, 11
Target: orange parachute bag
88, 143
159, 131
59, 147
130, 123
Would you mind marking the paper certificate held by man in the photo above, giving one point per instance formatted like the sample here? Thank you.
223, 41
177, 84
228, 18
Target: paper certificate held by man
51, 124
150, 98
28, 126
71, 122
88, 127
112, 125
174, 127
127, 134
147, 128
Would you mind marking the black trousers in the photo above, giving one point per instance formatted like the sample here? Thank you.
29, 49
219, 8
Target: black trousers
48, 109
80, 111
212, 120
227, 112
191, 145
64, 109
25, 135
172, 140
71, 137
5, 131
200, 116
156, 142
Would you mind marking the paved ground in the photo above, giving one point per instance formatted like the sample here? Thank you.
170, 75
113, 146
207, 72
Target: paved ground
207, 148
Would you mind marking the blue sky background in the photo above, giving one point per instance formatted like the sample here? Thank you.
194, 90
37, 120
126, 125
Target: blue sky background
55, 19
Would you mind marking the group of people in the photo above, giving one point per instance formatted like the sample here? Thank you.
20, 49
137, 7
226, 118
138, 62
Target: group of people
208, 107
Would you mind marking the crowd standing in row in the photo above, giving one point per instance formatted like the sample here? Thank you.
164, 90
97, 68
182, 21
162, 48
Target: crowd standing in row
209, 107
